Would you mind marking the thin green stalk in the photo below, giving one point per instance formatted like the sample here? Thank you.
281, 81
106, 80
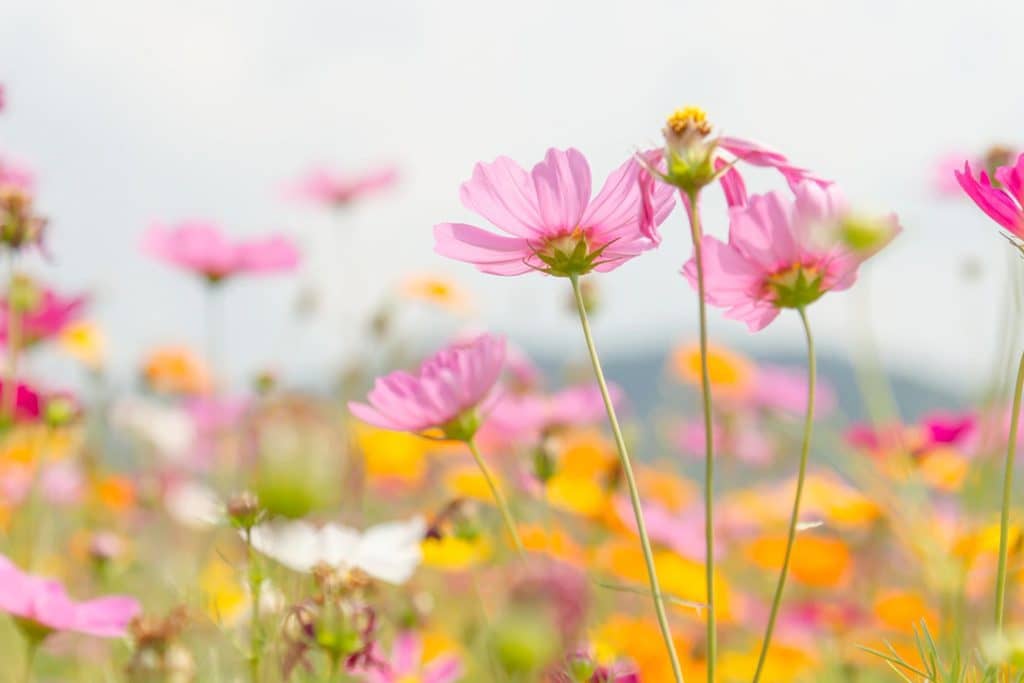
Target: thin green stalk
795, 517
634, 493
31, 648
499, 497
9, 401
1004, 519
255, 577
709, 446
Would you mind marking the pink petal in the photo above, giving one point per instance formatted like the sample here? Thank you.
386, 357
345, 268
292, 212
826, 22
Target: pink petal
504, 194
562, 183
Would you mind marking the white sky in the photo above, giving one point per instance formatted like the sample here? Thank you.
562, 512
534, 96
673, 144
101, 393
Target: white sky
133, 112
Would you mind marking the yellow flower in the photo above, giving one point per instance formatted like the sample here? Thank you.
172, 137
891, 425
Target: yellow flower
585, 453
392, 456
85, 342
438, 290
579, 495
224, 595
944, 469
640, 641
454, 553
469, 482
31, 443
731, 374
176, 370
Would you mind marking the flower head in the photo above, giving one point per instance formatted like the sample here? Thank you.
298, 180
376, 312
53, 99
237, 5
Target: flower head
447, 392
694, 156
324, 186
389, 552
776, 257
1003, 200
201, 247
406, 664
43, 606
552, 223
20, 224
42, 313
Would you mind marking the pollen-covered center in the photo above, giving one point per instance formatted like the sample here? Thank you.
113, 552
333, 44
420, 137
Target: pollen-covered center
689, 119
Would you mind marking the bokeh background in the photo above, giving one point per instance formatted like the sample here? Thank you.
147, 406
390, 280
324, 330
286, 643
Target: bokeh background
135, 112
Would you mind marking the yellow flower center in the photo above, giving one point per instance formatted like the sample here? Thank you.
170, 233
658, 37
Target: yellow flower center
689, 118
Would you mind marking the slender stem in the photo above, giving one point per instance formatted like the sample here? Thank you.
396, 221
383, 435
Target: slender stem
634, 493
499, 497
1004, 519
795, 517
709, 446
31, 648
255, 577
212, 323
10, 389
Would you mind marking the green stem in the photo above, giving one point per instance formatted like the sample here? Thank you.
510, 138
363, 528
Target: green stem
10, 389
31, 648
499, 497
709, 446
255, 594
795, 517
634, 493
1004, 519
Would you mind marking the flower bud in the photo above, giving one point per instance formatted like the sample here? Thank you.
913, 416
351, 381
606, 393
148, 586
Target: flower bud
689, 150
244, 510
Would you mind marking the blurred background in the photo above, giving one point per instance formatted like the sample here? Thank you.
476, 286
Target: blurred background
132, 113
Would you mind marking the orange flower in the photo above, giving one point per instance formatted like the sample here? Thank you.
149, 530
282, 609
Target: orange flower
783, 664
553, 542
176, 370
731, 374
944, 469
116, 492
904, 610
392, 457
585, 453
438, 290
817, 560
639, 641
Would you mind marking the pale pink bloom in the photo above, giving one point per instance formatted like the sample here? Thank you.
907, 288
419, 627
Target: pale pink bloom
15, 175
727, 154
451, 384
1004, 204
60, 483
943, 181
681, 532
773, 258
744, 439
523, 374
46, 319
406, 664
784, 389
547, 210
526, 417
324, 186
203, 248
45, 603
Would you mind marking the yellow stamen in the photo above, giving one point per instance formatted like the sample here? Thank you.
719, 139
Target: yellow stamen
682, 119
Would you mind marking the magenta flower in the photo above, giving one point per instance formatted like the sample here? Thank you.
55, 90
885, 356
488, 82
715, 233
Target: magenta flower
778, 254
448, 392
406, 664
1003, 203
201, 247
44, 607
45, 313
28, 402
551, 222
323, 186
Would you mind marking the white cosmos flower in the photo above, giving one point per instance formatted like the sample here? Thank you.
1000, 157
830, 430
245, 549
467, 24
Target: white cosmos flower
389, 552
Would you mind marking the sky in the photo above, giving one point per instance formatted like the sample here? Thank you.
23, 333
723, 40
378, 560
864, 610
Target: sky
132, 113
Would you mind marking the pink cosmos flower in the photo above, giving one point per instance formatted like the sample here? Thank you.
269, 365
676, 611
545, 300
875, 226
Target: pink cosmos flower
45, 319
201, 247
16, 176
775, 258
784, 389
448, 391
45, 604
744, 439
526, 417
682, 532
552, 223
324, 186
405, 664
28, 402
1003, 203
